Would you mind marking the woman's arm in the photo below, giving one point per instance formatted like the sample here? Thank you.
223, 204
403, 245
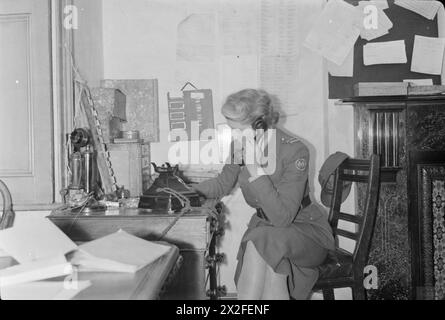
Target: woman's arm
282, 201
222, 184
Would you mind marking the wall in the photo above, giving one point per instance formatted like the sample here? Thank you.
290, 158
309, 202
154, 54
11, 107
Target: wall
88, 41
140, 43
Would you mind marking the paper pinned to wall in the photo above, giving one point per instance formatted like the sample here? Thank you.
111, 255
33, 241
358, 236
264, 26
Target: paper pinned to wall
239, 28
427, 9
381, 4
427, 55
197, 38
277, 76
346, 69
388, 52
280, 28
335, 31
368, 30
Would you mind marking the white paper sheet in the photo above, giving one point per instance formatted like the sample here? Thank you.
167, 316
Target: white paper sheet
419, 82
427, 9
120, 252
335, 31
383, 24
427, 55
388, 52
35, 238
239, 27
35, 270
278, 76
344, 70
381, 4
196, 38
44, 290
280, 28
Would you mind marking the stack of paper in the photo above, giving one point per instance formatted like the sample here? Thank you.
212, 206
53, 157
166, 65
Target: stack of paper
117, 252
35, 238
35, 270
44, 290
40, 248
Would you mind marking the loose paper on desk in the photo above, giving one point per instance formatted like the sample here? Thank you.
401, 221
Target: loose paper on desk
427, 55
118, 252
427, 9
344, 70
373, 26
44, 290
388, 52
41, 269
35, 238
335, 31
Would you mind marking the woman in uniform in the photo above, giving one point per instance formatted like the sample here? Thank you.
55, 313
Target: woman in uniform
288, 237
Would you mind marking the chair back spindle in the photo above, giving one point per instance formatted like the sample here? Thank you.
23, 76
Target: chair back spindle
364, 172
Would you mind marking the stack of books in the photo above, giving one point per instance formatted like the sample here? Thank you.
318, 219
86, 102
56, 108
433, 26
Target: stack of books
46, 259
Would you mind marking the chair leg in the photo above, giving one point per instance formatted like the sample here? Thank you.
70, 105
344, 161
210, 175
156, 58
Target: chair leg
328, 294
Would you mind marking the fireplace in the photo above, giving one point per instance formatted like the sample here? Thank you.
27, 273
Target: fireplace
426, 188
408, 246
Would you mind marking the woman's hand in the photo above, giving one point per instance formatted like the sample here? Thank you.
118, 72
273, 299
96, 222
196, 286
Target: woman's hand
254, 157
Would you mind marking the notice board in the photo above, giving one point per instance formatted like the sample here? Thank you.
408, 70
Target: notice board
406, 24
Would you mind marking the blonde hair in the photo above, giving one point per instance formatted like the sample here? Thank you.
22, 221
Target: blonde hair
247, 105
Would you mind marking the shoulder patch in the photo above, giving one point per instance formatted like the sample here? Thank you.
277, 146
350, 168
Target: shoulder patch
301, 164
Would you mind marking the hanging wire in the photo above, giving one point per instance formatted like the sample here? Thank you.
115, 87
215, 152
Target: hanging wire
185, 203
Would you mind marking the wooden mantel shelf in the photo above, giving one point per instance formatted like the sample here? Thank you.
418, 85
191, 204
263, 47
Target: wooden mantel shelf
386, 99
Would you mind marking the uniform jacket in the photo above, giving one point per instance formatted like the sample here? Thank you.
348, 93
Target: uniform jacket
278, 194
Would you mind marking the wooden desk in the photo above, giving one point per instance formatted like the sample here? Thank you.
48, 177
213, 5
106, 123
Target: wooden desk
146, 284
194, 234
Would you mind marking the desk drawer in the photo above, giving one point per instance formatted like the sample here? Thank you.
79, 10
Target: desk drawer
189, 232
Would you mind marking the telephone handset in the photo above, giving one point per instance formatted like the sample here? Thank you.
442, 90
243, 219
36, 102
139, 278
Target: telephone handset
237, 154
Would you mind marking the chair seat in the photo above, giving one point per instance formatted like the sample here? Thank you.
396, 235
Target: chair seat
338, 264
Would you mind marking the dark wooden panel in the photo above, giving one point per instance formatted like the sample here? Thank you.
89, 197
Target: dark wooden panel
189, 283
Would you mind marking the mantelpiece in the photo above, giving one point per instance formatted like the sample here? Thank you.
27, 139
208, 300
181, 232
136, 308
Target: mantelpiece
405, 248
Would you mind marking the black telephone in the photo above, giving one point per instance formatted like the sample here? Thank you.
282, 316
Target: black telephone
169, 177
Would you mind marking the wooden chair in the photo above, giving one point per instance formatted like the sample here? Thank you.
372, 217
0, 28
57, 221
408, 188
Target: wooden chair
341, 268
8, 215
